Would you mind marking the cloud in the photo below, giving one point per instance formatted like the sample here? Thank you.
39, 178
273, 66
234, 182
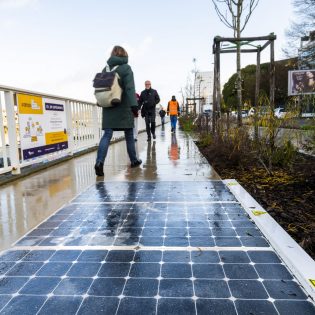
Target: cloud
17, 4
143, 47
8, 23
135, 51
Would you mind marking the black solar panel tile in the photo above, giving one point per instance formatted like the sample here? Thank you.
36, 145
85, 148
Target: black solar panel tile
149, 248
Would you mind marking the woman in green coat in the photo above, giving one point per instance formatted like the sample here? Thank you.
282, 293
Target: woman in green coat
120, 117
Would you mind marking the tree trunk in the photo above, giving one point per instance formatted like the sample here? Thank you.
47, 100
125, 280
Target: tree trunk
238, 67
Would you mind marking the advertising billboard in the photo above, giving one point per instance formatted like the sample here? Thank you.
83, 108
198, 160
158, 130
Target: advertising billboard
43, 127
301, 82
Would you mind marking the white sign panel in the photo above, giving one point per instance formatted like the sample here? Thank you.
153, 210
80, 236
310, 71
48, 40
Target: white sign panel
43, 126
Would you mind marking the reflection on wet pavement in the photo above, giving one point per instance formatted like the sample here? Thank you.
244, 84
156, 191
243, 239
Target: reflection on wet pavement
162, 247
174, 150
165, 238
149, 214
24, 204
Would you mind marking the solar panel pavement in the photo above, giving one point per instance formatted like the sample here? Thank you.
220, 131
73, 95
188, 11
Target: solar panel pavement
149, 248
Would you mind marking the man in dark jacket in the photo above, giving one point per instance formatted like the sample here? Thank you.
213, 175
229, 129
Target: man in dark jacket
147, 102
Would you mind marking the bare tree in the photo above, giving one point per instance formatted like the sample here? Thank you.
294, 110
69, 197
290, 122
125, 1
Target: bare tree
304, 23
235, 14
188, 87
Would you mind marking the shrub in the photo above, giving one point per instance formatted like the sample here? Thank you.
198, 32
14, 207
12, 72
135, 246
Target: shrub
186, 122
205, 140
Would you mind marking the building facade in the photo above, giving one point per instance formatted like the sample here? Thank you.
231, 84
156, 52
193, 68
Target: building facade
204, 89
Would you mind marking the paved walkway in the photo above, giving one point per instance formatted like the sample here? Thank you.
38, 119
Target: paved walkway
166, 238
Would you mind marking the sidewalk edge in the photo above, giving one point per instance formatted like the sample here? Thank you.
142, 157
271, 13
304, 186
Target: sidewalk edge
293, 255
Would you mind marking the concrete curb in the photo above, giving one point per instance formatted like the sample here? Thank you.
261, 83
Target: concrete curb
293, 255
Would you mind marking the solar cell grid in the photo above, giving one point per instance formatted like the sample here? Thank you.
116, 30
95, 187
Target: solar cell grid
149, 248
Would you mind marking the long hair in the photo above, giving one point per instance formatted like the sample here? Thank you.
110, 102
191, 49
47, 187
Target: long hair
119, 52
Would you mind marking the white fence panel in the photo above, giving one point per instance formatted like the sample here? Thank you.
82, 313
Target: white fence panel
83, 121
79, 120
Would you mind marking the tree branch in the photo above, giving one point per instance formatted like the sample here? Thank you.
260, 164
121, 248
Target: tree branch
236, 15
303, 24
222, 18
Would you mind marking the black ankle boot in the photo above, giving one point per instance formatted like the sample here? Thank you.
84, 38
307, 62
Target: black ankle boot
99, 169
136, 163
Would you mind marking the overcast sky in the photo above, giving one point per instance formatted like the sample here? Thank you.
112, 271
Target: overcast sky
57, 46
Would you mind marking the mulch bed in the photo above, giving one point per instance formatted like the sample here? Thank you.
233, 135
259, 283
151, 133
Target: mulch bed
288, 194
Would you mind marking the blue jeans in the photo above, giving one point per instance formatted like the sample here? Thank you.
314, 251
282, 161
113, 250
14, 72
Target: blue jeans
105, 141
173, 121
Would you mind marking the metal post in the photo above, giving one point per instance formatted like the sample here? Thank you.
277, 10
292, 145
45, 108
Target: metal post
69, 127
2, 133
13, 143
96, 133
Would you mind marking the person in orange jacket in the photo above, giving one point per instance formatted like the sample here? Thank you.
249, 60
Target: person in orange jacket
173, 112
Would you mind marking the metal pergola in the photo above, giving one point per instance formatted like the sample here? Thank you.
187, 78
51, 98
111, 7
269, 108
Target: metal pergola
249, 47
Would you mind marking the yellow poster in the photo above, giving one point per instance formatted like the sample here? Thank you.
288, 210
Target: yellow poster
30, 104
56, 137
43, 125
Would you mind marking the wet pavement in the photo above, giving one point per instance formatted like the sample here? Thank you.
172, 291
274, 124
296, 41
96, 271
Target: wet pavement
27, 202
165, 238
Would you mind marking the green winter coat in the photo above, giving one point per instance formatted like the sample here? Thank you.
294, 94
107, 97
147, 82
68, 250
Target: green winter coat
121, 116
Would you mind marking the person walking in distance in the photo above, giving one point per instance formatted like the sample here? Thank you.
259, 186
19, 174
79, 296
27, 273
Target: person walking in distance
120, 117
147, 102
173, 112
162, 114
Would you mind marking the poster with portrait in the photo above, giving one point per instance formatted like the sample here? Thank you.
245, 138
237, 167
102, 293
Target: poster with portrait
43, 127
301, 82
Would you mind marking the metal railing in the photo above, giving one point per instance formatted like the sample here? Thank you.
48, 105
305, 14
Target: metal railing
84, 128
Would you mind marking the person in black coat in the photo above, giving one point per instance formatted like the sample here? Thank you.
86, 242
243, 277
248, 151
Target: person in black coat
147, 102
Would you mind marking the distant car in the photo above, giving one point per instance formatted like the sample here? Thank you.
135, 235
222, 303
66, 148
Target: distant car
244, 113
207, 112
308, 115
251, 112
280, 112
